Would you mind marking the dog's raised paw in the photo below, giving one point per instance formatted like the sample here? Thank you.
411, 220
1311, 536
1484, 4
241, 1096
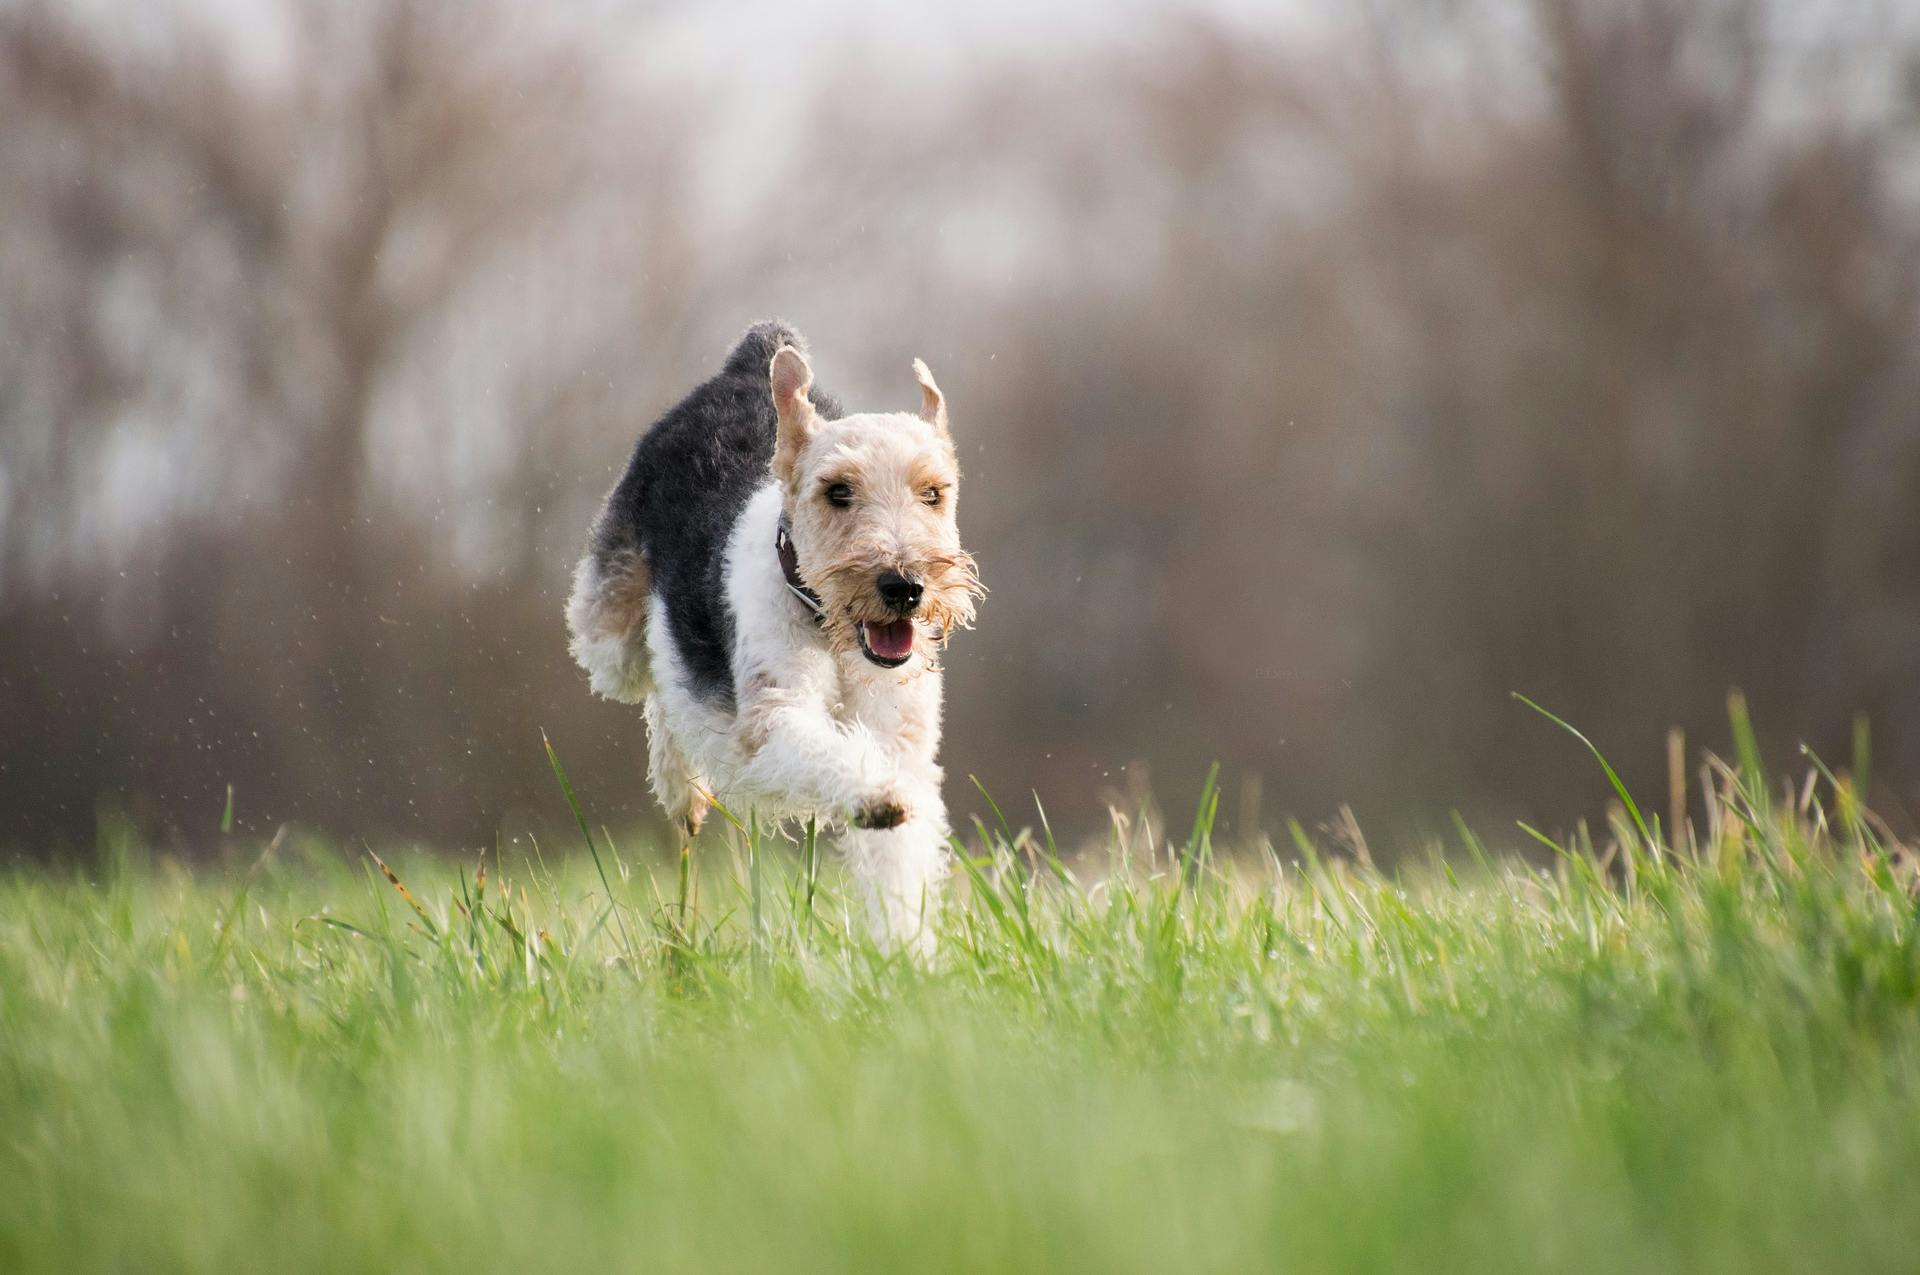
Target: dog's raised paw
883, 812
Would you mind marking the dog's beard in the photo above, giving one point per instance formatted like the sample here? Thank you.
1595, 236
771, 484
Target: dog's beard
856, 623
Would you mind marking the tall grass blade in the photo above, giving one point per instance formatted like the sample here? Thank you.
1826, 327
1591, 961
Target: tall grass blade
1619, 787
586, 834
1199, 847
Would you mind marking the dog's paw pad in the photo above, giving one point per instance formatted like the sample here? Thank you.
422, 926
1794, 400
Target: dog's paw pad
887, 812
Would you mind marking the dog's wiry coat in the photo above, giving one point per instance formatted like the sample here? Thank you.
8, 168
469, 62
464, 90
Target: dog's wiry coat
752, 692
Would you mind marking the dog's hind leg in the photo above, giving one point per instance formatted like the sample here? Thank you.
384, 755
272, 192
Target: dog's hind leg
682, 793
607, 621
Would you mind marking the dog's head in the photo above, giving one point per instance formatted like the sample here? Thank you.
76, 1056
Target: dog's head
870, 500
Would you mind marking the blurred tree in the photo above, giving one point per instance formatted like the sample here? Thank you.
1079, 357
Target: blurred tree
233, 274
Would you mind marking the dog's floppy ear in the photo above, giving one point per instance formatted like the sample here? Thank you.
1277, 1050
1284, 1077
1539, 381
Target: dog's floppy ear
933, 404
791, 378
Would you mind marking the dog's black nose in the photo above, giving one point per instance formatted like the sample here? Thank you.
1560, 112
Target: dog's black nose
898, 592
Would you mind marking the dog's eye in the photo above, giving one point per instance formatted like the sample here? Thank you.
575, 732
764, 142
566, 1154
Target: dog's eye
932, 495
839, 495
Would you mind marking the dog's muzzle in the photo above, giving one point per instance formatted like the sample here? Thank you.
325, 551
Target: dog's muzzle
889, 643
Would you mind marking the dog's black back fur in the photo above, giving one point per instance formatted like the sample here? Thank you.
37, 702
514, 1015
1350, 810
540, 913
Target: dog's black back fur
691, 475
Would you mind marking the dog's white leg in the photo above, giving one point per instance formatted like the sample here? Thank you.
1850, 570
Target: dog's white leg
681, 790
899, 872
797, 749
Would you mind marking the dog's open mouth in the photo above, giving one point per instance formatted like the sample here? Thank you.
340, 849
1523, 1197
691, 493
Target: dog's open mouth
887, 644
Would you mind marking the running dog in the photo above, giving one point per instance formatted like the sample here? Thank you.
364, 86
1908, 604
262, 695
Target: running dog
774, 579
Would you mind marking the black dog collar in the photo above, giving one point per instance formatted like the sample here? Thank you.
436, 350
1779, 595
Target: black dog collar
790, 568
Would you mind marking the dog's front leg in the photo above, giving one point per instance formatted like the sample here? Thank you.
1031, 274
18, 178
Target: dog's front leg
794, 747
898, 871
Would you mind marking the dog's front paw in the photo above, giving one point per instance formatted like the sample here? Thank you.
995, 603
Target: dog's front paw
888, 810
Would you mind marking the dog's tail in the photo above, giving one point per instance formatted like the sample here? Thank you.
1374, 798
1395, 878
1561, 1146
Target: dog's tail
755, 349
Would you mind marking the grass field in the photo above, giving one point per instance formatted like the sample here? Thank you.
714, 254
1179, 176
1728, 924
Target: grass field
1170, 1059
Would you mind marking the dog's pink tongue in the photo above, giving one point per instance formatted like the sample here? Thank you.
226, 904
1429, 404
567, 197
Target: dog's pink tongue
891, 641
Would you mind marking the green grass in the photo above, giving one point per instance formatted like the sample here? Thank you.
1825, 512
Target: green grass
1182, 1060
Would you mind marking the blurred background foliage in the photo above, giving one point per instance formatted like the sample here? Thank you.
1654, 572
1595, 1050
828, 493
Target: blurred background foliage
1323, 372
